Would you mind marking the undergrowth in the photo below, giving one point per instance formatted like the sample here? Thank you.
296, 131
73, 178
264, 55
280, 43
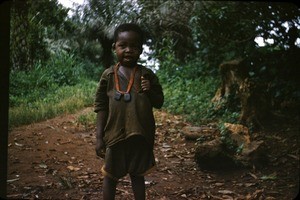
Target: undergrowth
57, 86
88, 120
64, 85
66, 99
190, 98
189, 87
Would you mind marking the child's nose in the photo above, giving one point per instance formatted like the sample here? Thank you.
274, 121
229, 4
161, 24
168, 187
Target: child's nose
128, 49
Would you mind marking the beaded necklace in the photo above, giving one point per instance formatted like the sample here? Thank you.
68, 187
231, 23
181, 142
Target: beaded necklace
119, 93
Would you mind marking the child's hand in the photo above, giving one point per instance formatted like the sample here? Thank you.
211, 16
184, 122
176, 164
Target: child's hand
100, 148
145, 83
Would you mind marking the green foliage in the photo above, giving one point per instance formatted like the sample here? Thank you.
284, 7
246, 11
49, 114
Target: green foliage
87, 120
227, 142
168, 60
276, 70
65, 69
98, 21
32, 22
60, 86
168, 19
188, 87
189, 38
227, 109
190, 97
65, 99
221, 24
60, 70
92, 70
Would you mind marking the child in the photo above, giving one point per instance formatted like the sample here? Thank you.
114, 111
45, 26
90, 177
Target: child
125, 96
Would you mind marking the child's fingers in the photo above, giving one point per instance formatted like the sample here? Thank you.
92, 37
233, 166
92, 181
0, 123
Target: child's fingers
145, 84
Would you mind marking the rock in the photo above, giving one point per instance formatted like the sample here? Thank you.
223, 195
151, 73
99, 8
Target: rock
238, 133
211, 155
194, 132
214, 154
254, 154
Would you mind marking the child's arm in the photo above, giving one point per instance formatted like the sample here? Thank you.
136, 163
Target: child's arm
101, 121
153, 89
101, 108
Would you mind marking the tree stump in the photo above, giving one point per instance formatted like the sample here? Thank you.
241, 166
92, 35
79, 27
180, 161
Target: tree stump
195, 132
212, 155
252, 96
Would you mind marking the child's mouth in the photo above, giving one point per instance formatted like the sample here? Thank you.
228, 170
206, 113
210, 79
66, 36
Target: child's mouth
127, 58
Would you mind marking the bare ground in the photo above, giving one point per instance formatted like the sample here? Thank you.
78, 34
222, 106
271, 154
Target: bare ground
55, 159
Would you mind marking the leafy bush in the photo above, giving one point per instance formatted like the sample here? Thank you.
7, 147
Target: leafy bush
61, 70
92, 70
190, 97
60, 86
188, 87
65, 69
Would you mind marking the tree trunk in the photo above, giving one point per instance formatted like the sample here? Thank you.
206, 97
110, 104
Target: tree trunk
20, 53
107, 56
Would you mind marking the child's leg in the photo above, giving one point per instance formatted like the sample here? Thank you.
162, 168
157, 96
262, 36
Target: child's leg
138, 187
109, 188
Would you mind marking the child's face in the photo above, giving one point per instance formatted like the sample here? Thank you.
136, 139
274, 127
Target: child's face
128, 48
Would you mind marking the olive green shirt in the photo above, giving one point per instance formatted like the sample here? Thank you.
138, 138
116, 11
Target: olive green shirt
135, 117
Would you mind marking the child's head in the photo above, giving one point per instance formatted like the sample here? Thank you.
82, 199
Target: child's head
129, 27
128, 41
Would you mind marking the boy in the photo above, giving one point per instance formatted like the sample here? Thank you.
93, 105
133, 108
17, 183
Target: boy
125, 96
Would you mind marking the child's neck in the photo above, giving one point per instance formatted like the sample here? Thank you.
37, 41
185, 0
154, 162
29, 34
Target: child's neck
126, 70
128, 66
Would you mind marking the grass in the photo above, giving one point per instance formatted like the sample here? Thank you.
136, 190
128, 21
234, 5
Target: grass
66, 99
88, 120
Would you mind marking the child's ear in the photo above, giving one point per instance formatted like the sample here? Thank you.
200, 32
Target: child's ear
113, 46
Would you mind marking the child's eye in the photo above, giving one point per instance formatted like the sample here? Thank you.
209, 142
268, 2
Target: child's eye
122, 46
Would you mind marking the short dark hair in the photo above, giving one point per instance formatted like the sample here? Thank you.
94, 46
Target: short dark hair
129, 27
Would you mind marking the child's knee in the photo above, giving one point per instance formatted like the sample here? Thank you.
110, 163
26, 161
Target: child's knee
110, 180
135, 177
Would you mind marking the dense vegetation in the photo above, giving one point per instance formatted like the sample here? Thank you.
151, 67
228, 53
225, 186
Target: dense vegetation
56, 58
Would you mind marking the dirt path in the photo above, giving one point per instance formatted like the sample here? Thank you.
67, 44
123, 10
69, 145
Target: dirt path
55, 159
